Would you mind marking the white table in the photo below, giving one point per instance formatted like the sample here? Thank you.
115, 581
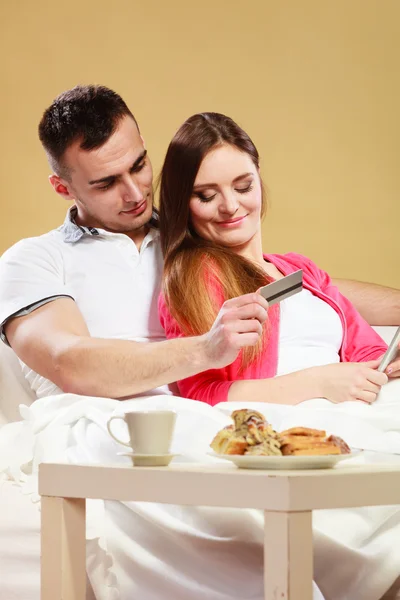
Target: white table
286, 497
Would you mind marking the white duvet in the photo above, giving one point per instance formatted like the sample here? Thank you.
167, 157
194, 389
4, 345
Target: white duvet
153, 551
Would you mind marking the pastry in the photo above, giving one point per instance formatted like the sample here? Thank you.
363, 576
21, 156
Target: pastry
313, 448
228, 442
251, 434
300, 441
269, 447
303, 441
250, 431
338, 441
306, 431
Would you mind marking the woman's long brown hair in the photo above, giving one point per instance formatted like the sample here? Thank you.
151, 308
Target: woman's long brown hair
193, 264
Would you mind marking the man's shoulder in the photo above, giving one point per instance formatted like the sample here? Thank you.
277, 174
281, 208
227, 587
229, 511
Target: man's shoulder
41, 244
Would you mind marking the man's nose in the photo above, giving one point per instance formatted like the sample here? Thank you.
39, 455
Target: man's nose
132, 191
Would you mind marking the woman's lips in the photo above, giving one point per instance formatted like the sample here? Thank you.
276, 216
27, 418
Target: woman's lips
231, 222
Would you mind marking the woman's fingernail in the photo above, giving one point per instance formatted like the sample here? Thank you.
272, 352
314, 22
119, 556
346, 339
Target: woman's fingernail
388, 371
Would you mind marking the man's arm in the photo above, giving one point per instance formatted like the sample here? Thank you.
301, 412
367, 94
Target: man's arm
379, 305
55, 342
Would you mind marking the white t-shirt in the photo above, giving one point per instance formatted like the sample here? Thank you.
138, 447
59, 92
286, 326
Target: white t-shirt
115, 286
310, 333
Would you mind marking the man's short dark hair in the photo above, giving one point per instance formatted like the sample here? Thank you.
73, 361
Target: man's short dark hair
89, 113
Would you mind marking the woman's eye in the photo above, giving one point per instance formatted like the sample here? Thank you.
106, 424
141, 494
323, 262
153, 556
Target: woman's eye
205, 198
248, 188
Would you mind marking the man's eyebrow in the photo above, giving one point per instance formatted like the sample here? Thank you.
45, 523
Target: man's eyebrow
110, 178
208, 185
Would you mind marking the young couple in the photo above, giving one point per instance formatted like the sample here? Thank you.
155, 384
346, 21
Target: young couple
73, 300
77, 305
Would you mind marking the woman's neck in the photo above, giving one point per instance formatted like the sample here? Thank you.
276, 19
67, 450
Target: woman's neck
252, 250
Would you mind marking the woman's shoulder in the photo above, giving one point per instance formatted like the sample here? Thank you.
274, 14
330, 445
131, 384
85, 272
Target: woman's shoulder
291, 259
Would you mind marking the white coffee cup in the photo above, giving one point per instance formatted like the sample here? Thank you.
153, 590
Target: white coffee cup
150, 432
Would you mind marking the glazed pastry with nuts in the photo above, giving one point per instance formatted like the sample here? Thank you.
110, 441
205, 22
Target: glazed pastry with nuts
251, 434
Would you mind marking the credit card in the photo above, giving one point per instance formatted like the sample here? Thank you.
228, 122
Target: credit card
283, 288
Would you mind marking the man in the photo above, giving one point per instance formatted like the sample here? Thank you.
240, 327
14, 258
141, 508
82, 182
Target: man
79, 304
75, 302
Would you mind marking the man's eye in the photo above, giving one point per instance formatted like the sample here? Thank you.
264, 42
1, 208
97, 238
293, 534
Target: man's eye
245, 190
106, 186
138, 167
204, 198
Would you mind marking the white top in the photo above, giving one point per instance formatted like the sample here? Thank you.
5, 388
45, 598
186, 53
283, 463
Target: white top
310, 333
115, 286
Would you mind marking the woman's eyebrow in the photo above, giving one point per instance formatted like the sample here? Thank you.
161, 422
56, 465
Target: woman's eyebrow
207, 185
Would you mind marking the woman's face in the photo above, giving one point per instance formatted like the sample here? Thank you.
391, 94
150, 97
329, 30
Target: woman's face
225, 206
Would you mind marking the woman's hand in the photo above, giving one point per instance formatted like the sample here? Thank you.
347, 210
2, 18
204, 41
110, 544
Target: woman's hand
351, 381
393, 369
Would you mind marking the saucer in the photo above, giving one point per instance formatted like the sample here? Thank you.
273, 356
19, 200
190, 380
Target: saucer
148, 460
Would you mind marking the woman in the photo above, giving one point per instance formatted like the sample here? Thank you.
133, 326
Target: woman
211, 203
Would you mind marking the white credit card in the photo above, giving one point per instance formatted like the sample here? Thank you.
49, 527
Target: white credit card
283, 288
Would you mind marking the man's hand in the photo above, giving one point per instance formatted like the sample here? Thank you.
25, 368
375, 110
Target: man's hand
238, 324
55, 342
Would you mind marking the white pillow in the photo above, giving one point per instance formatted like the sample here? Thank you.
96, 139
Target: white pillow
386, 333
14, 389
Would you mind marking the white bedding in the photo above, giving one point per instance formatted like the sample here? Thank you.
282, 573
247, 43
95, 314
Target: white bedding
203, 553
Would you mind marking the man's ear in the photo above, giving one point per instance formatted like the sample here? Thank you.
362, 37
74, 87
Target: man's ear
61, 187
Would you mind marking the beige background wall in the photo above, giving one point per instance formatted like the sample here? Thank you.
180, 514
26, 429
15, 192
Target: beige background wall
315, 82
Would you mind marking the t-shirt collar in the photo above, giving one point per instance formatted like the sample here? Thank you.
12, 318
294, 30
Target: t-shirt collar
72, 232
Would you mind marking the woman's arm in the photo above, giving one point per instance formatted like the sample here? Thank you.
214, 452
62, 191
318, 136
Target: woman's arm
360, 342
339, 382
286, 389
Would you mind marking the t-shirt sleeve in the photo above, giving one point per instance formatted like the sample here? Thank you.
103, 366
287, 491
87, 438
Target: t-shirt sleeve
210, 386
31, 272
361, 343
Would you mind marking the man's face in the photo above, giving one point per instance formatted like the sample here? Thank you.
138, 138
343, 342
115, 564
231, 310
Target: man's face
111, 185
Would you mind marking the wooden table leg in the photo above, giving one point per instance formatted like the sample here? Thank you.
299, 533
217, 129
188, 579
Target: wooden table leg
63, 555
288, 556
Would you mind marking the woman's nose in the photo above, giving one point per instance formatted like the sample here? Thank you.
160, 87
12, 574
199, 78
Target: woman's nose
229, 204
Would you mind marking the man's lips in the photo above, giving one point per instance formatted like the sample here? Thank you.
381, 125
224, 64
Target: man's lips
231, 222
136, 210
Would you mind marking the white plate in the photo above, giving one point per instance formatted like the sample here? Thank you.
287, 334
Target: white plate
148, 460
284, 462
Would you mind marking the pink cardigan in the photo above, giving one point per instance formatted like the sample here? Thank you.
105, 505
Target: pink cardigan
360, 342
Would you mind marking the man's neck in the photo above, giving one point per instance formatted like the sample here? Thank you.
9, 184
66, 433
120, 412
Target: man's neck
137, 236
